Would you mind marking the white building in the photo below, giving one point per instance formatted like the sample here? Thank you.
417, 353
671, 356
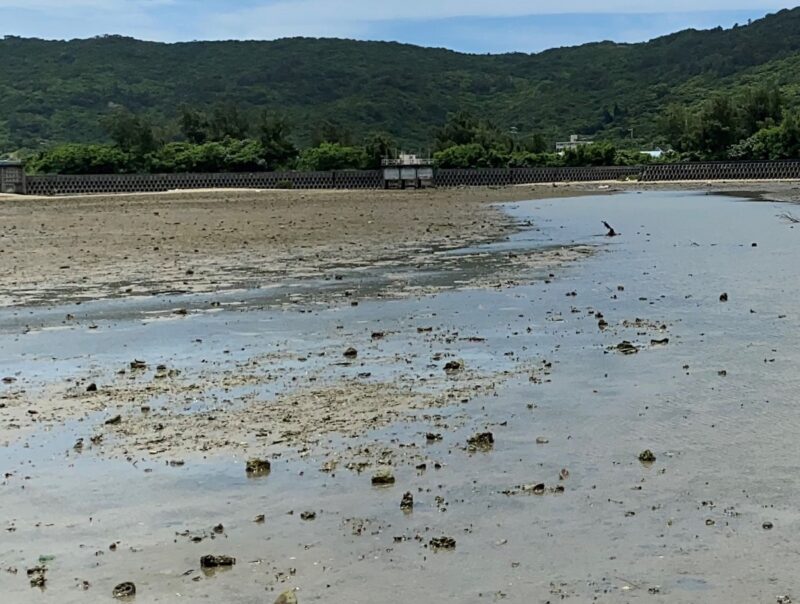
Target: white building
575, 141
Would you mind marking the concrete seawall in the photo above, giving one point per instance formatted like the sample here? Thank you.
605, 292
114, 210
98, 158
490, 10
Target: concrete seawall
372, 179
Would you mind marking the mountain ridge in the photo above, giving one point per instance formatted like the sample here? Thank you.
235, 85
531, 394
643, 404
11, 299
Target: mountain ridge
57, 91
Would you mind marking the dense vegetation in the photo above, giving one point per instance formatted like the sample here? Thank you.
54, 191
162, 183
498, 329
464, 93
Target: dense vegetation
342, 101
229, 140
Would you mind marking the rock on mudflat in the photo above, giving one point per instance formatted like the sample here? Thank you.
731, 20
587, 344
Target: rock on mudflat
481, 442
723, 297
407, 503
383, 477
454, 367
287, 597
124, 590
626, 348
216, 561
647, 456
350, 353
438, 543
258, 467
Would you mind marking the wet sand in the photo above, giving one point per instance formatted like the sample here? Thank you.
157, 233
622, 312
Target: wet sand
203, 241
122, 471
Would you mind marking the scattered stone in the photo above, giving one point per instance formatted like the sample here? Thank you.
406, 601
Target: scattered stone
287, 597
350, 353
723, 298
407, 503
308, 516
626, 347
260, 519
124, 590
257, 467
117, 419
137, 364
433, 437
647, 456
454, 367
767, 526
564, 474
37, 576
91, 387
446, 543
662, 342
378, 335
216, 561
383, 477
481, 442
541, 440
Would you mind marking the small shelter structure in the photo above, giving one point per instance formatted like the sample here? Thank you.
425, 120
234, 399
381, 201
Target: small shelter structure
12, 177
407, 171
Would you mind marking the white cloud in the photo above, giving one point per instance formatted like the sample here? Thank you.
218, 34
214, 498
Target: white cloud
351, 18
268, 19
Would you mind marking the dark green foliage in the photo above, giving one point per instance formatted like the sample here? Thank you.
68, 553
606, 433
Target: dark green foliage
333, 156
752, 125
245, 155
379, 146
194, 125
82, 159
278, 149
338, 90
131, 133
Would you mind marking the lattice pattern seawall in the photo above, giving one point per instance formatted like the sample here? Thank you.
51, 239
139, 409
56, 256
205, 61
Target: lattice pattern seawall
758, 170
513, 176
145, 183
372, 179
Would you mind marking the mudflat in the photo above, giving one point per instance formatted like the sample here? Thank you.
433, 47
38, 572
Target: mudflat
360, 396
100, 246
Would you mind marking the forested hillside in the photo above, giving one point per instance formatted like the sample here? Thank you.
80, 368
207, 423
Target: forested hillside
61, 91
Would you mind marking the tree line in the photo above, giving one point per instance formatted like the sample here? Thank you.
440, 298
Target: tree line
228, 139
223, 139
755, 124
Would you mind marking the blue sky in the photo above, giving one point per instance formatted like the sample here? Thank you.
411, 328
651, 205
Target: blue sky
466, 25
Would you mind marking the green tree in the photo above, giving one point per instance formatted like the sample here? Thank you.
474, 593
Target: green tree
378, 146
194, 125
718, 127
762, 106
131, 133
82, 159
228, 121
332, 132
274, 134
332, 156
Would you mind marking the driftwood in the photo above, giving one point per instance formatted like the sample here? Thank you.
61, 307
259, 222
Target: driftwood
611, 231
